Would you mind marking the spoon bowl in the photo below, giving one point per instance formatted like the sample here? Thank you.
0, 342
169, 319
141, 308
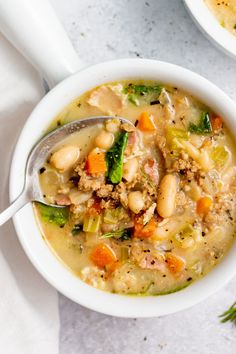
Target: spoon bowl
37, 157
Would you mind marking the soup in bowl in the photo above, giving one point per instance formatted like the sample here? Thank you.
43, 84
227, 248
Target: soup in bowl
225, 12
146, 209
217, 21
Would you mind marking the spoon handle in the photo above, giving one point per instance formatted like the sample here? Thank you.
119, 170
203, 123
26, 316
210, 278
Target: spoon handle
13, 208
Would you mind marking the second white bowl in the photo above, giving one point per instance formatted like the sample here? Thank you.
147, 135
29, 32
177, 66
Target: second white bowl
211, 27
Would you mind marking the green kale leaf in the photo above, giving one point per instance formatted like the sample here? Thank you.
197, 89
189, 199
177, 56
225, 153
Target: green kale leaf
229, 315
58, 216
204, 125
136, 92
115, 156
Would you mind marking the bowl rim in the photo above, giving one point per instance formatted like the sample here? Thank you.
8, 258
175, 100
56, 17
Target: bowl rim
211, 27
43, 258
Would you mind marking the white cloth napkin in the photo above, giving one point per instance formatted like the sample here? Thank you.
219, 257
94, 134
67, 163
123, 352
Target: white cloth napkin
29, 321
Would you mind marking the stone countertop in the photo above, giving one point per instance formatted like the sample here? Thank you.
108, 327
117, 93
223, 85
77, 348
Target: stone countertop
160, 29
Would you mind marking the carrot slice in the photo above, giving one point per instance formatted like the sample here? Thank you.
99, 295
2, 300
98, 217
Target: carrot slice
216, 123
145, 231
203, 205
95, 207
96, 163
145, 123
110, 268
102, 255
175, 263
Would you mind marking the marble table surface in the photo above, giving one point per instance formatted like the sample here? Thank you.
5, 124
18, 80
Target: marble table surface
159, 29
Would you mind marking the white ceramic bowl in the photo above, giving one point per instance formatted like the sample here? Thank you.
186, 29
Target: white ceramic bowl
27, 229
211, 27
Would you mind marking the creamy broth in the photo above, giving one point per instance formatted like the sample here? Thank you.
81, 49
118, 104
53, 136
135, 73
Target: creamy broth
163, 215
225, 12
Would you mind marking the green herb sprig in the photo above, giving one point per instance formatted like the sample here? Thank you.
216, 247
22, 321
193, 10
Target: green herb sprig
229, 315
124, 234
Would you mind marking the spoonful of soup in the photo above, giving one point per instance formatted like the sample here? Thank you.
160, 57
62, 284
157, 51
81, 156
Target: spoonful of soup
60, 151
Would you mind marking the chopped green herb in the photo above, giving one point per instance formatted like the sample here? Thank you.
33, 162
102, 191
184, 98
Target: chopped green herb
229, 315
204, 125
124, 234
114, 158
142, 89
133, 99
135, 92
76, 229
54, 215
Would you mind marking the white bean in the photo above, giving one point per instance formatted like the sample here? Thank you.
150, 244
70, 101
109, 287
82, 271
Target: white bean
167, 196
104, 140
130, 169
64, 158
135, 201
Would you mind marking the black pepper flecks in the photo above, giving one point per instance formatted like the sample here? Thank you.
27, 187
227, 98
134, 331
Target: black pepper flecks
152, 103
42, 170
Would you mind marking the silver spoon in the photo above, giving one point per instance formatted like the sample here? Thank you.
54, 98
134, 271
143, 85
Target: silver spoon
38, 155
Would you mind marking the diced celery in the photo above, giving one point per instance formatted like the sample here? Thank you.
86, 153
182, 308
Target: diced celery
176, 133
112, 216
124, 253
173, 135
91, 223
196, 267
220, 155
185, 231
188, 230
